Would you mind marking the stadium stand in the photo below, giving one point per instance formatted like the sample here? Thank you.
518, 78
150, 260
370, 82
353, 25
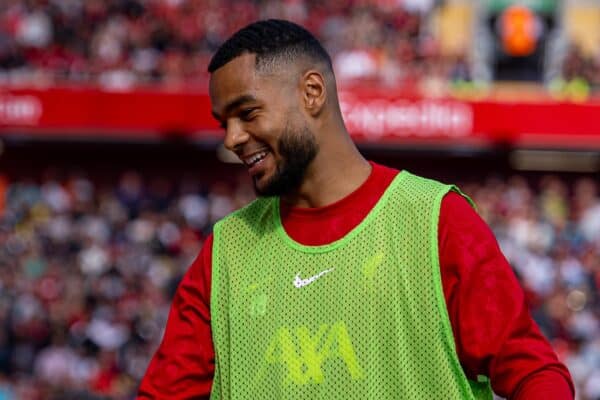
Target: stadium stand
117, 43
91, 249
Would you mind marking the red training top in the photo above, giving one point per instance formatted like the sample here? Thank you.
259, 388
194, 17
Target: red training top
494, 333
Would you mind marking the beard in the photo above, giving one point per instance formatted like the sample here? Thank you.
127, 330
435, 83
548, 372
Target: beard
297, 149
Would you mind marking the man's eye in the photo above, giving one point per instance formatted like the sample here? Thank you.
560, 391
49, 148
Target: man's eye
247, 114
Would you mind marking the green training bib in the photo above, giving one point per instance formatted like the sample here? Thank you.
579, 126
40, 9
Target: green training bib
361, 318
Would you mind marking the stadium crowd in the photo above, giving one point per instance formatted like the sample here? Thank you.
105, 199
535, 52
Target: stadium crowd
122, 43
86, 276
87, 271
580, 75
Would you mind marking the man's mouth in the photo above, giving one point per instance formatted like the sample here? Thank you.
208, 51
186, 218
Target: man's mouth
255, 159
256, 162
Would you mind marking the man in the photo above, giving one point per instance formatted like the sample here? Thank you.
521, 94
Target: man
345, 279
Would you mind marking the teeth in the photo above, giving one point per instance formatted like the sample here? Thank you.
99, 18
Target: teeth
256, 158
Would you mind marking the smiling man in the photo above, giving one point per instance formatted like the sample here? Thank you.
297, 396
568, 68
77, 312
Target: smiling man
257, 98
345, 279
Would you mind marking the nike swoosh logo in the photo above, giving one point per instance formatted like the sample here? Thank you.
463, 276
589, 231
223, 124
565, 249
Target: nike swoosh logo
299, 282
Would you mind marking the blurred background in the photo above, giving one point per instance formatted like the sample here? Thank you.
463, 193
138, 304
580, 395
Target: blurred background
112, 171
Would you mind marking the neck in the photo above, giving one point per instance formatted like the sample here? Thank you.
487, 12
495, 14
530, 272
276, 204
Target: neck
337, 170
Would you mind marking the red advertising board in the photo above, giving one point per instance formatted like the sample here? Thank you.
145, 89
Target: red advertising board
373, 116
68, 112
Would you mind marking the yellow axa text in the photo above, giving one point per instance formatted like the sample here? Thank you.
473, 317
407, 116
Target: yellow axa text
303, 353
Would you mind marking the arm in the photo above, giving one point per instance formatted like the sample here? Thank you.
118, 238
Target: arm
494, 333
183, 365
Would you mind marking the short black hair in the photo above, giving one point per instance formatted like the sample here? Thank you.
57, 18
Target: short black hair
271, 40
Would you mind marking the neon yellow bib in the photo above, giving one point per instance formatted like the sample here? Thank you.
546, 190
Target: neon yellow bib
361, 318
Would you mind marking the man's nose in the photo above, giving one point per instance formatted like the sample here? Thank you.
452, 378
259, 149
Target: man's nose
235, 136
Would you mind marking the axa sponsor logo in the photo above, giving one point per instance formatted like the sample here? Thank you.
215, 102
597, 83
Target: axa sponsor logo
303, 354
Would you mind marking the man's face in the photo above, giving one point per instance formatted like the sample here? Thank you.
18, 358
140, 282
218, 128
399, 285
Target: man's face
264, 125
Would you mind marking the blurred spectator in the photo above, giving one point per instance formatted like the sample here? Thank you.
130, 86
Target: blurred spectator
123, 43
579, 66
580, 75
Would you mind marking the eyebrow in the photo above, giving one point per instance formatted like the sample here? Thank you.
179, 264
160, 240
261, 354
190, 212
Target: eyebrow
235, 103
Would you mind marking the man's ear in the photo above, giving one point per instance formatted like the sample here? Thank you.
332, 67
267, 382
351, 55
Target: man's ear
314, 92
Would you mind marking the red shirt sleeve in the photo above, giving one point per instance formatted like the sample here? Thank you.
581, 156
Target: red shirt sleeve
493, 330
183, 365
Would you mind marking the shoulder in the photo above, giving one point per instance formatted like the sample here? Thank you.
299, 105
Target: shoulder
251, 217
455, 201
461, 229
419, 190
420, 182
458, 211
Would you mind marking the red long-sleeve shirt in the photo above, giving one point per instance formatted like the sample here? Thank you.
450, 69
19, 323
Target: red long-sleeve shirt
494, 333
